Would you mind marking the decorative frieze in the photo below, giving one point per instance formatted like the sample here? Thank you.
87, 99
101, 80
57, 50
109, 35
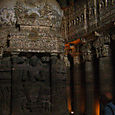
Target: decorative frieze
106, 9
32, 27
93, 14
99, 47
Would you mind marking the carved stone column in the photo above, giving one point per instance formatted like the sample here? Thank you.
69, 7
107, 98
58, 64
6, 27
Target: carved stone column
59, 79
89, 89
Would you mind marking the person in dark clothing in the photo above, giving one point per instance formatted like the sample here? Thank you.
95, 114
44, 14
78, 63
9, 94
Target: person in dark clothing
109, 107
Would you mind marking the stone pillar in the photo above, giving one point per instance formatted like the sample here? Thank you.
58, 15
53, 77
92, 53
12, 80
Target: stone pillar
96, 75
79, 88
68, 89
89, 89
106, 75
59, 76
85, 17
105, 64
5, 85
113, 61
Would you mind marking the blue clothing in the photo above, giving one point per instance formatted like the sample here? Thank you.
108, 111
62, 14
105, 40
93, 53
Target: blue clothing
109, 109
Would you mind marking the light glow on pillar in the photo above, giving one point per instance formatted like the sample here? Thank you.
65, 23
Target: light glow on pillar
97, 107
69, 105
72, 112
69, 100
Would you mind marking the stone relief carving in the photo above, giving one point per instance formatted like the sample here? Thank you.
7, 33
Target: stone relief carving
100, 47
41, 14
7, 16
31, 83
34, 26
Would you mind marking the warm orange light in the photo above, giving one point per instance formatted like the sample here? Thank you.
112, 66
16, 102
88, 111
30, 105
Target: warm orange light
69, 47
72, 47
75, 42
69, 99
69, 105
97, 107
82, 106
66, 45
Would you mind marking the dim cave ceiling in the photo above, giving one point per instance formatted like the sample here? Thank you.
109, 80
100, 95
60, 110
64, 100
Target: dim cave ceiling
62, 3
65, 3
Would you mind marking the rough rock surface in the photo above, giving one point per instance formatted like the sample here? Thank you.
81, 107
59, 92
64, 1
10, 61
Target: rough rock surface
32, 26
38, 85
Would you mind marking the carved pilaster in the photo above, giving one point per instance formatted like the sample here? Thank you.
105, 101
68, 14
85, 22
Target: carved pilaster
1, 52
66, 61
98, 47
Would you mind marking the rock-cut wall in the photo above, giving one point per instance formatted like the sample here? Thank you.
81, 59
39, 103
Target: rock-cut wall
31, 26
